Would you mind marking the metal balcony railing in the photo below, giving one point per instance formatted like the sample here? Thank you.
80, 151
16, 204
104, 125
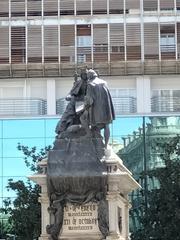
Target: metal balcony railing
22, 107
121, 105
165, 104
124, 105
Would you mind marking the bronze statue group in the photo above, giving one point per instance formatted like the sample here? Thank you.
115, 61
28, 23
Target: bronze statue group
89, 107
75, 170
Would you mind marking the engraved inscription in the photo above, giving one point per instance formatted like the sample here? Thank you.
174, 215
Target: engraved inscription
82, 218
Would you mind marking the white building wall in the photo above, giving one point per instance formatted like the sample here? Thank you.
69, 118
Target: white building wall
12, 88
51, 89
51, 97
63, 86
165, 82
38, 88
143, 89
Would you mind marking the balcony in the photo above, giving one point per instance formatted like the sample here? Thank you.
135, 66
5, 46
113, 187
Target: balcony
165, 104
104, 68
121, 105
22, 107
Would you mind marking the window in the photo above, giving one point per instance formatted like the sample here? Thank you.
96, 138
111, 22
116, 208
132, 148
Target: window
165, 100
84, 41
167, 42
81, 58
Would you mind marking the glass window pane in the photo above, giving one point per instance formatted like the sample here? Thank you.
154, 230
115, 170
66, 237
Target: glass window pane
124, 131
50, 127
23, 128
15, 167
10, 146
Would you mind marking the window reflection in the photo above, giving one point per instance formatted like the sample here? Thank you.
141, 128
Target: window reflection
126, 139
23, 128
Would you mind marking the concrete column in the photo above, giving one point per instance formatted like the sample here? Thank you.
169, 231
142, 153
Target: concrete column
45, 219
127, 220
113, 216
143, 89
51, 97
113, 223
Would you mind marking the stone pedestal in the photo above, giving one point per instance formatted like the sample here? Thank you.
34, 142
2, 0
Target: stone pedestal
81, 222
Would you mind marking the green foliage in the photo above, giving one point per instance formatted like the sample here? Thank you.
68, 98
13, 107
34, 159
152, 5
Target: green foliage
162, 218
24, 211
32, 157
5, 228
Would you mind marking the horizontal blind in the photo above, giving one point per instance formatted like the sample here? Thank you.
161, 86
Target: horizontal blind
133, 34
83, 7
4, 44
166, 4
50, 43
117, 42
34, 8
116, 34
133, 41
67, 7
18, 39
132, 4
50, 7
178, 4
178, 39
34, 44
17, 8
4, 8
116, 6
100, 42
100, 34
151, 41
99, 7
150, 5
67, 34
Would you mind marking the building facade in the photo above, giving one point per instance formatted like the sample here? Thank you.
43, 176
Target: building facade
134, 45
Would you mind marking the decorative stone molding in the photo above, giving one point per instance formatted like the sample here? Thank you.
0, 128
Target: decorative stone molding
120, 183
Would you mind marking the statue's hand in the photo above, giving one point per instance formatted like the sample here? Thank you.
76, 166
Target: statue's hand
69, 98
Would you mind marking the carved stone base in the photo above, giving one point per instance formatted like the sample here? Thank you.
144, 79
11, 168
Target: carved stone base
44, 237
81, 222
88, 236
114, 236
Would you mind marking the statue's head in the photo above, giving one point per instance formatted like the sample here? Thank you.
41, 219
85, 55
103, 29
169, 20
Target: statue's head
84, 75
91, 74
